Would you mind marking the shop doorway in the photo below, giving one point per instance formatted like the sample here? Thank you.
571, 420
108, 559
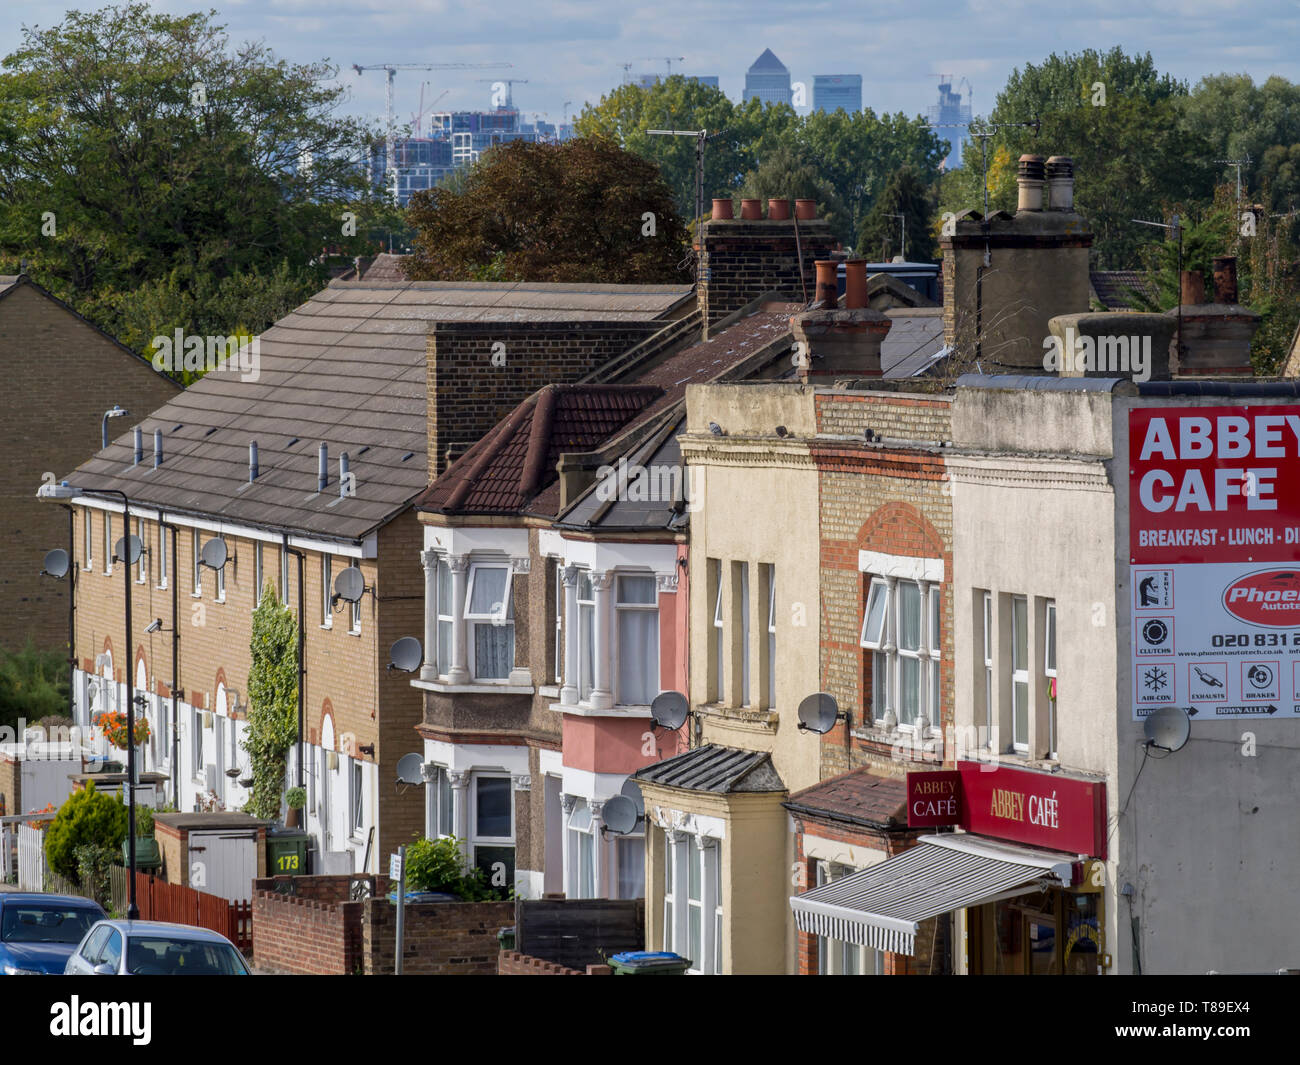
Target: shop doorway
1050, 933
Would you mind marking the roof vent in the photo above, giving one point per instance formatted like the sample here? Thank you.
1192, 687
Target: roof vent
137, 445
323, 468
1030, 178
157, 448
252, 461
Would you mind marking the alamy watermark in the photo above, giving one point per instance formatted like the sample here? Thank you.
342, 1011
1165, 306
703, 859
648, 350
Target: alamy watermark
1129, 355
659, 483
239, 353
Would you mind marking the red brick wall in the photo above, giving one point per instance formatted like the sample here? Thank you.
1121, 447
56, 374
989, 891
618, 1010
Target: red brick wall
304, 936
512, 963
442, 938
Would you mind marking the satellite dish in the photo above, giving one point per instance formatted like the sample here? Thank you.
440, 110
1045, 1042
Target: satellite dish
408, 769
1167, 728
632, 790
349, 584
818, 713
128, 549
670, 710
214, 553
56, 563
407, 655
620, 815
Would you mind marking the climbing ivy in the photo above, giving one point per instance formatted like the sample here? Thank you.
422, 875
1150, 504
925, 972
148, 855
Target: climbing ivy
272, 702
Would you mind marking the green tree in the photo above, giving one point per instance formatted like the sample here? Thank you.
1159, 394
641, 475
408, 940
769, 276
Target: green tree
906, 194
33, 685
139, 150
86, 818
783, 174
581, 211
272, 701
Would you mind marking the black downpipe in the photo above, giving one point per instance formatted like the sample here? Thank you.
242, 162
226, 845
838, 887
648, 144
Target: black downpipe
72, 614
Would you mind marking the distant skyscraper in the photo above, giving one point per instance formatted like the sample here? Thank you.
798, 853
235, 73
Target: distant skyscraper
834, 91
953, 118
768, 79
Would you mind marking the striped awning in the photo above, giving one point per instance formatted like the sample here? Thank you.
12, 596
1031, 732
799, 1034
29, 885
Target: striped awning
883, 906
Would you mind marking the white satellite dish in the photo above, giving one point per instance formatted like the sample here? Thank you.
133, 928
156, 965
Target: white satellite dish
349, 584
818, 713
1167, 728
406, 654
620, 815
408, 768
128, 549
669, 710
56, 563
214, 553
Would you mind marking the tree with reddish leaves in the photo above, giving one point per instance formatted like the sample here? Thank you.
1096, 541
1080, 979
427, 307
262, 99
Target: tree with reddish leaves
583, 210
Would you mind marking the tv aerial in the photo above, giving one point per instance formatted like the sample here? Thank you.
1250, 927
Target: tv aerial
1168, 728
819, 712
406, 655
669, 710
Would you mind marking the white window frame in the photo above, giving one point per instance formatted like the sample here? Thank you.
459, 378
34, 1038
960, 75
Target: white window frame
504, 617
356, 798
1019, 676
990, 711
326, 575
142, 564
439, 809
586, 682
108, 544
771, 636
475, 839
678, 899
743, 605
221, 585
837, 957
884, 641
933, 621
719, 635
259, 573
197, 591
162, 556
559, 620
284, 574
621, 608
876, 641
1049, 670
88, 517
443, 580
579, 827
354, 620
196, 744
616, 864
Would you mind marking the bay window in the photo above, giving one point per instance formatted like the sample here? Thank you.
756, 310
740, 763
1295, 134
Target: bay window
693, 900
637, 608
490, 613
446, 616
901, 628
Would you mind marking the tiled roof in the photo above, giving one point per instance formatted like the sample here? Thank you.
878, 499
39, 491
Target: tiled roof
860, 797
1114, 288
347, 368
386, 267
717, 769
506, 469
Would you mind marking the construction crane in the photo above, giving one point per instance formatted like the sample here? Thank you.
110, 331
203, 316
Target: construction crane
669, 59
389, 134
510, 83
417, 117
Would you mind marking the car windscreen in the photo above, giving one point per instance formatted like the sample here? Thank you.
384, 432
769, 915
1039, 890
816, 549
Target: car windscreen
37, 922
148, 955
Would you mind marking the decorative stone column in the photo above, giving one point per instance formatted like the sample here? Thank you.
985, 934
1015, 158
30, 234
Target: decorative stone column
429, 670
460, 809
569, 692
598, 847
458, 673
567, 803
602, 694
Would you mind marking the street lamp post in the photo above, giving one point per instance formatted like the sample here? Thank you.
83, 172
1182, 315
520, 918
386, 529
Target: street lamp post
66, 491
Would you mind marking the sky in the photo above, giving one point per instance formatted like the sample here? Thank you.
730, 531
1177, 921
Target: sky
572, 52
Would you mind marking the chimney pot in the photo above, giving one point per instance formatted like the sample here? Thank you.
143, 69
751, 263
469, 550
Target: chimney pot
1060, 182
137, 441
157, 448
252, 462
828, 290
1030, 177
805, 210
855, 284
751, 210
778, 210
1225, 279
323, 467
1191, 288
722, 209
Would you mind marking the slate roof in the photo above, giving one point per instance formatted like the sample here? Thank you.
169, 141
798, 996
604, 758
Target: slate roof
346, 368
860, 798
721, 770
503, 472
1114, 288
912, 341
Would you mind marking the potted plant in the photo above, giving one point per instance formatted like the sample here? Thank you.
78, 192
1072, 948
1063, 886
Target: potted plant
296, 799
147, 853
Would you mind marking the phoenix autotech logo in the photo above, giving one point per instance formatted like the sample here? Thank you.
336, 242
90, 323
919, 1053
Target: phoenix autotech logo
1269, 597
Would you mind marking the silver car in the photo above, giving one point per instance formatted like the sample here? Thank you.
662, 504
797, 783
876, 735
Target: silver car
154, 948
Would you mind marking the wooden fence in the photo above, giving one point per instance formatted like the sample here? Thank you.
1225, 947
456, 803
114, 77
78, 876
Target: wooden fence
160, 901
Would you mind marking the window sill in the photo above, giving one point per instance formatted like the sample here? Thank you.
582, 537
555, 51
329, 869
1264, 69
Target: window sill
741, 717
483, 687
587, 710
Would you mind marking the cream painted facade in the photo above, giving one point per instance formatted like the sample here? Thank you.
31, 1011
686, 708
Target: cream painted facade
1206, 841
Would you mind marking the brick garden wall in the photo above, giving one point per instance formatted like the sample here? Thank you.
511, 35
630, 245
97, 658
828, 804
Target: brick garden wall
316, 932
442, 938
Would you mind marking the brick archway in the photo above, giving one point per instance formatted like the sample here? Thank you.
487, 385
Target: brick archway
899, 528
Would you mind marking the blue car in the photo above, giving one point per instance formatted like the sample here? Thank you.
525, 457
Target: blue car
39, 933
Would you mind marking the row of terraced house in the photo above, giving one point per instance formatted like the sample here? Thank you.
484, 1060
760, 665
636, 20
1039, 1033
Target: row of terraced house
895, 597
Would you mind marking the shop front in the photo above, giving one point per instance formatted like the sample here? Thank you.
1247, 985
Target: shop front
1019, 864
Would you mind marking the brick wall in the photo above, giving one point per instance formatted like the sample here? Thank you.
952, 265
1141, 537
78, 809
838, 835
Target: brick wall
512, 963
442, 938
742, 260
893, 500
61, 374
469, 394
317, 932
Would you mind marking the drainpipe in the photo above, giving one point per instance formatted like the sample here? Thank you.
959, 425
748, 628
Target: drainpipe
302, 636
72, 611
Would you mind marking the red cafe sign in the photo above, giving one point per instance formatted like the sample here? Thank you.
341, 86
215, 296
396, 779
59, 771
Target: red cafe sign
1041, 809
